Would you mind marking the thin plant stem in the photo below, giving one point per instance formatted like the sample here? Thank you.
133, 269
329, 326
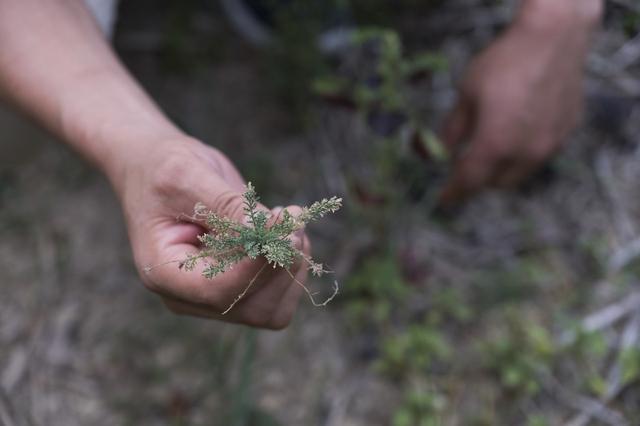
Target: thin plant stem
244, 292
336, 289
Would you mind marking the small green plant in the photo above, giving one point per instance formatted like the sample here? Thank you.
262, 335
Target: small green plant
630, 361
377, 75
420, 408
413, 352
631, 23
376, 79
513, 282
587, 352
520, 355
374, 289
449, 307
537, 420
228, 242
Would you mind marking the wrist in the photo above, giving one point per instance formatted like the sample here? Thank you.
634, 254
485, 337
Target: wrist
554, 15
113, 123
120, 146
140, 152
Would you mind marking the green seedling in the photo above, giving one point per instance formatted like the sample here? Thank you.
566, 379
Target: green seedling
520, 355
413, 352
374, 289
420, 408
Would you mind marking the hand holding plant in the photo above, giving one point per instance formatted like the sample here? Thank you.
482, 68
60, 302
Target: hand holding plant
170, 181
229, 242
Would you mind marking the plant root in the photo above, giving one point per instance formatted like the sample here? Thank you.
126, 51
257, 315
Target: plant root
244, 292
336, 290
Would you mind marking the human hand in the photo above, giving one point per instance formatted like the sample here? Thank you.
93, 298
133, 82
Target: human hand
518, 102
89, 100
166, 186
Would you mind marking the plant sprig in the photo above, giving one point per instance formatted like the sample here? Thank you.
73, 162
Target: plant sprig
228, 242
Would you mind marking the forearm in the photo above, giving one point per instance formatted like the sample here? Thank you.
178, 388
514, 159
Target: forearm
55, 64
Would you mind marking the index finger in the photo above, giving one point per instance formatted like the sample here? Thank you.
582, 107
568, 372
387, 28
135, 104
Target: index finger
192, 286
235, 279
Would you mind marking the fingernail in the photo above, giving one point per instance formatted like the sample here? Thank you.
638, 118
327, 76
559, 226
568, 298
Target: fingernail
276, 211
296, 240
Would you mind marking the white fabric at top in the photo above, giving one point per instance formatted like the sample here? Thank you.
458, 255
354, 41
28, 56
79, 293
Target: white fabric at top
105, 12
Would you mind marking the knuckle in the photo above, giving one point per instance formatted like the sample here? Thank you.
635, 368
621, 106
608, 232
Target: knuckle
280, 320
497, 140
538, 156
491, 91
493, 143
218, 161
201, 296
230, 204
277, 325
207, 297
500, 149
257, 318
170, 172
149, 283
151, 276
540, 152
474, 172
173, 307
268, 317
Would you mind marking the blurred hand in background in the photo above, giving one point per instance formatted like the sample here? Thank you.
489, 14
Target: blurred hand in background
520, 98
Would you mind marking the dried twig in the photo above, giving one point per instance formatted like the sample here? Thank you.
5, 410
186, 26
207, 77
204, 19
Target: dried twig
589, 408
622, 218
605, 317
615, 385
9, 415
624, 256
627, 54
623, 80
